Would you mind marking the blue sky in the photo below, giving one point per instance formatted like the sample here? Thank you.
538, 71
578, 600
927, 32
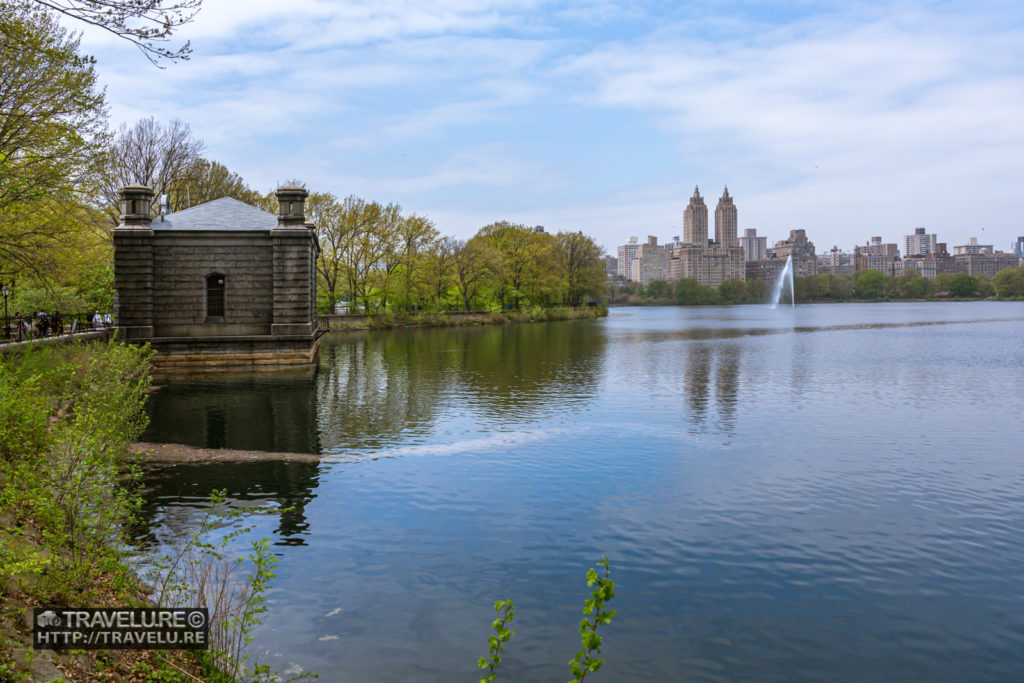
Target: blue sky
847, 119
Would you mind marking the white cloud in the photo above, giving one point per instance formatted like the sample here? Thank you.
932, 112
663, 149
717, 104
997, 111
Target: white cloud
849, 120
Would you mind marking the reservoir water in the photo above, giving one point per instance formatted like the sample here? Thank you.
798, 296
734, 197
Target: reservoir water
808, 493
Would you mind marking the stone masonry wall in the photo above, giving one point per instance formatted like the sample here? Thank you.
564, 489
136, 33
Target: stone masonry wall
293, 270
182, 264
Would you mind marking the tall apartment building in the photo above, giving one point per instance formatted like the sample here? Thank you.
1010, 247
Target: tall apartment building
726, 223
651, 262
984, 262
919, 244
626, 254
611, 266
766, 270
1018, 247
804, 261
930, 265
837, 262
754, 248
711, 265
972, 247
695, 221
879, 255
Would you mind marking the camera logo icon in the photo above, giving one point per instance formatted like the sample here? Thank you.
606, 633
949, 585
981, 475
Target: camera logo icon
47, 618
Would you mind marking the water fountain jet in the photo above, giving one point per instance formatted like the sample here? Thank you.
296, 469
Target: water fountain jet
777, 289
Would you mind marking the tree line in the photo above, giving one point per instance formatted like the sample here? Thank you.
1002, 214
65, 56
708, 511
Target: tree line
61, 168
864, 285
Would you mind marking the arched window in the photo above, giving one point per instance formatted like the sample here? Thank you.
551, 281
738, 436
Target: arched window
215, 296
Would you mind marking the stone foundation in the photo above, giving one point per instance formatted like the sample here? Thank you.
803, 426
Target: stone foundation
212, 354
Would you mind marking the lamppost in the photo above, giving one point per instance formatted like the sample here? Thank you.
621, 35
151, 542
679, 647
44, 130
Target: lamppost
7, 323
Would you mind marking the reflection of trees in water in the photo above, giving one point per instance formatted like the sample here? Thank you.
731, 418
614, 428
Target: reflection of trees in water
371, 387
254, 413
375, 386
174, 492
725, 359
525, 371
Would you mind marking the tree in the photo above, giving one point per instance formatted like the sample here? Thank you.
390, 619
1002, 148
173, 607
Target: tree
962, 285
1009, 283
145, 23
415, 234
437, 268
333, 233
153, 155
733, 291
474, 265
580, 260
521, 254
658, 289
688, 291
52, 121
908, 285
207, 180
869, 284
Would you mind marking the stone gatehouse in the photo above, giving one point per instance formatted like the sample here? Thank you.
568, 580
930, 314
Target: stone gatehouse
222, 284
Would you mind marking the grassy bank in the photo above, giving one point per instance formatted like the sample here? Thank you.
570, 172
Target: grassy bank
67, 415
391, 320
68, 494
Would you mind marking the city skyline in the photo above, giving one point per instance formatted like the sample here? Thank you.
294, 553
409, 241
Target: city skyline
841, 120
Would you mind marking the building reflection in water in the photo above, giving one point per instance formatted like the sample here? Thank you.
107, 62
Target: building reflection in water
174, 493
369, 390
724, 361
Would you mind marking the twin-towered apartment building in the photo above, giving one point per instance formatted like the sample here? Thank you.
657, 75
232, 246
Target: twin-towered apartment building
730, 256
709, 262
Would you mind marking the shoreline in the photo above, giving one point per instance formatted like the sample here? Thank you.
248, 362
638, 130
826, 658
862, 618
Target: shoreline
667, 302
346, 322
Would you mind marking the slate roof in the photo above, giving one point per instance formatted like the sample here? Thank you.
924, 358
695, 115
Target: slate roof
220, 214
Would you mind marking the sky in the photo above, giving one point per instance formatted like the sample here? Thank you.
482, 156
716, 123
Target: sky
847, 119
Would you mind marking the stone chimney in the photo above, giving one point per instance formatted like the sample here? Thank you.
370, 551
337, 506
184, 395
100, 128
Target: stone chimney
291, 207
135, 206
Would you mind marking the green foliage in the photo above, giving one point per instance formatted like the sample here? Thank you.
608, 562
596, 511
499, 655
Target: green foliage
869, 284
52, 123
496, 643
595, 614
689, 292
962, 285
1009, 283
69, 414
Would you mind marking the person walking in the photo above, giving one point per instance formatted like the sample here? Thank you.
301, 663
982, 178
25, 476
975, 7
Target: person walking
97, 320
107, 320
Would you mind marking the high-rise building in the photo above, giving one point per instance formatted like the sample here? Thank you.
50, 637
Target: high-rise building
1018, 247
972, 247
626, 254
711, 265
651, 262
611, 266
695, 221
984, 262
930, 265
804, 261
726, 224
754, 248
919, 244
879, 255
837, 262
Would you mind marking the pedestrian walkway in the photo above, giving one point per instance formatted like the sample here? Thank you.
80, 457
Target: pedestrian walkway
103, 333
